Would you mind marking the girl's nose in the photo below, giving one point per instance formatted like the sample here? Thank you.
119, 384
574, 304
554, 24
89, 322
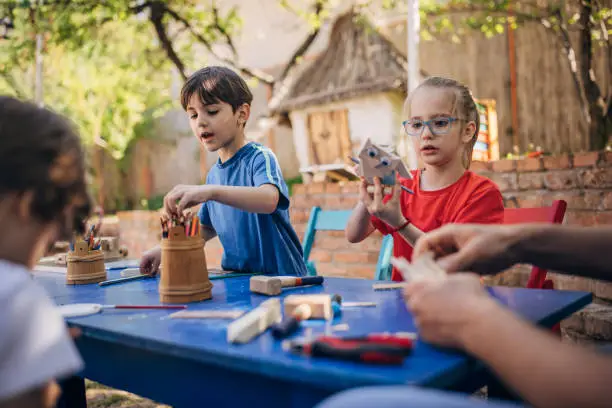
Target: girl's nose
427, 135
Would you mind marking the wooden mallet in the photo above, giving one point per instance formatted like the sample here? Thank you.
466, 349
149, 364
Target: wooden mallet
273, 285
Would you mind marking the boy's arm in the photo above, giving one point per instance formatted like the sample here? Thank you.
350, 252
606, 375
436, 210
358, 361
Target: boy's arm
544, 371
263, 199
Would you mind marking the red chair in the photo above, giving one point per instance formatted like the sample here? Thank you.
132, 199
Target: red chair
553, 214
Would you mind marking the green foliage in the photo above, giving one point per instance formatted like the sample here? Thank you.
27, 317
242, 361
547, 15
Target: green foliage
107, 86
493, 17
293, 181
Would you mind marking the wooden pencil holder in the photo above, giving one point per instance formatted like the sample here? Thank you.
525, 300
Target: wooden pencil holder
84, 265
184, 276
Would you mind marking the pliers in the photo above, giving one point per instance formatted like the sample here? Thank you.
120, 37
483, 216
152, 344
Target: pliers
373, 348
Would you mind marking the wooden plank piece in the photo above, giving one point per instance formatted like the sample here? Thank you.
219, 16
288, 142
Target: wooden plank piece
254, 322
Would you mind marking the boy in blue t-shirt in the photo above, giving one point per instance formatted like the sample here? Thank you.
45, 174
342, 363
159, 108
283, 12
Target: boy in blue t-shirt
245, 199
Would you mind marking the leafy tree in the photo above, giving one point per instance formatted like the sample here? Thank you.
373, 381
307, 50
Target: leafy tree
580, 27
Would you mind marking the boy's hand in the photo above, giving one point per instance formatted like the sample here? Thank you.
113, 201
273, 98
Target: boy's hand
149, 264
446, 311
485, 249
389, 212
187, 196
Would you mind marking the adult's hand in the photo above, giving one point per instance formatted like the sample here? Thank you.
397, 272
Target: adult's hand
485, 249
446, 311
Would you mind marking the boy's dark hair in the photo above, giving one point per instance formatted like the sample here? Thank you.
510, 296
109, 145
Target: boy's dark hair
216, 84
41, 152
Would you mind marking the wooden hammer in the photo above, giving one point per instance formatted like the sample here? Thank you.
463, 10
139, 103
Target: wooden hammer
272, 285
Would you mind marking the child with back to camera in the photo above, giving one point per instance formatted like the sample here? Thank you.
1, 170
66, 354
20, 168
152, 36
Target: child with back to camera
42, 197
443, 121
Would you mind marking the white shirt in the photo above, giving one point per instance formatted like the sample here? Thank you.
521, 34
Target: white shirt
35, 346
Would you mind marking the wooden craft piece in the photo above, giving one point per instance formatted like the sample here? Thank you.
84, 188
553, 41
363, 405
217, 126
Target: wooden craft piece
254, 322
380, 161
272, 285
388, 286
358, 304
207, 314
423, 268
320, 305
84, 265
184, 276
112, 250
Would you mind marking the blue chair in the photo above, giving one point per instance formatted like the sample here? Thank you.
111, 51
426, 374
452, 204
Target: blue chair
335, 220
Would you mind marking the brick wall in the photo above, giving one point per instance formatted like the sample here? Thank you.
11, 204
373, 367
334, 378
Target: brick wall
583, 180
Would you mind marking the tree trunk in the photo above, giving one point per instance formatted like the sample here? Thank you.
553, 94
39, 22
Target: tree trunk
599, 124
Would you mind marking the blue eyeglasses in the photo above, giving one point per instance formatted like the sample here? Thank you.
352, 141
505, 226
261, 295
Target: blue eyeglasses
437, 126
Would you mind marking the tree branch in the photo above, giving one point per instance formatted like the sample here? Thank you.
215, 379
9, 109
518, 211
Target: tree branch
253, 73
223, 31
157, 14
570, 54
303, 48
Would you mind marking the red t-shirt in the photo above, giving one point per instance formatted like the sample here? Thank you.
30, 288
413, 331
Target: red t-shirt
471, 199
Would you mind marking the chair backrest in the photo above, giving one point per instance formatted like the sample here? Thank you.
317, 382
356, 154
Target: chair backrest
336, 220
553, 214
323, 220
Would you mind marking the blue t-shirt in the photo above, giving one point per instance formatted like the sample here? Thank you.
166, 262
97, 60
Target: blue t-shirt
256, 243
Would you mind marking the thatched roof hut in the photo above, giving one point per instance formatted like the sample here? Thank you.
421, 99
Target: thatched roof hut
358, 61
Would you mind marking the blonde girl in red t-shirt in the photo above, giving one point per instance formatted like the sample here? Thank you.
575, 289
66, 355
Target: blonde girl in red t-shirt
443, 122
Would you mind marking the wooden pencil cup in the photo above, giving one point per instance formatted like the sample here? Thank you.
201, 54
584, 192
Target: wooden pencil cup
84, 265
184, 276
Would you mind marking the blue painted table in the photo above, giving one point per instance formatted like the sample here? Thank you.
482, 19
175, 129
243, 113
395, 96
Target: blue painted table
188, 363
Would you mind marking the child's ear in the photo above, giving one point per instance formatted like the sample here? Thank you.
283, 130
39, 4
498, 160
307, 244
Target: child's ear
244, 111
468, 132
24, 205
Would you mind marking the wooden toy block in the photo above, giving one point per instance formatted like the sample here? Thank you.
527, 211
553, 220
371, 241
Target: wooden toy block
111, 249
320, 305
255, 322
380, 161
184, 276
84, 265
272, 285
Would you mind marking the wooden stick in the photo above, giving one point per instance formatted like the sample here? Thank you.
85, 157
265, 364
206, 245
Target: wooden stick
358, 304
388, 286
254, 322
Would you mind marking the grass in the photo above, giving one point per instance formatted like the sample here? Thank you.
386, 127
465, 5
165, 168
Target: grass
101, 396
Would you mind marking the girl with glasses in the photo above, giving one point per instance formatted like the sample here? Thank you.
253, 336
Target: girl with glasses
443, 122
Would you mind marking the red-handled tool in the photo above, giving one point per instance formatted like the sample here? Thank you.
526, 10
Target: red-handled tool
374, 349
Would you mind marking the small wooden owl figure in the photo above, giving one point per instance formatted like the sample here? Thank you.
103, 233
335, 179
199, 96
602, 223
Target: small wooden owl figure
380, 161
